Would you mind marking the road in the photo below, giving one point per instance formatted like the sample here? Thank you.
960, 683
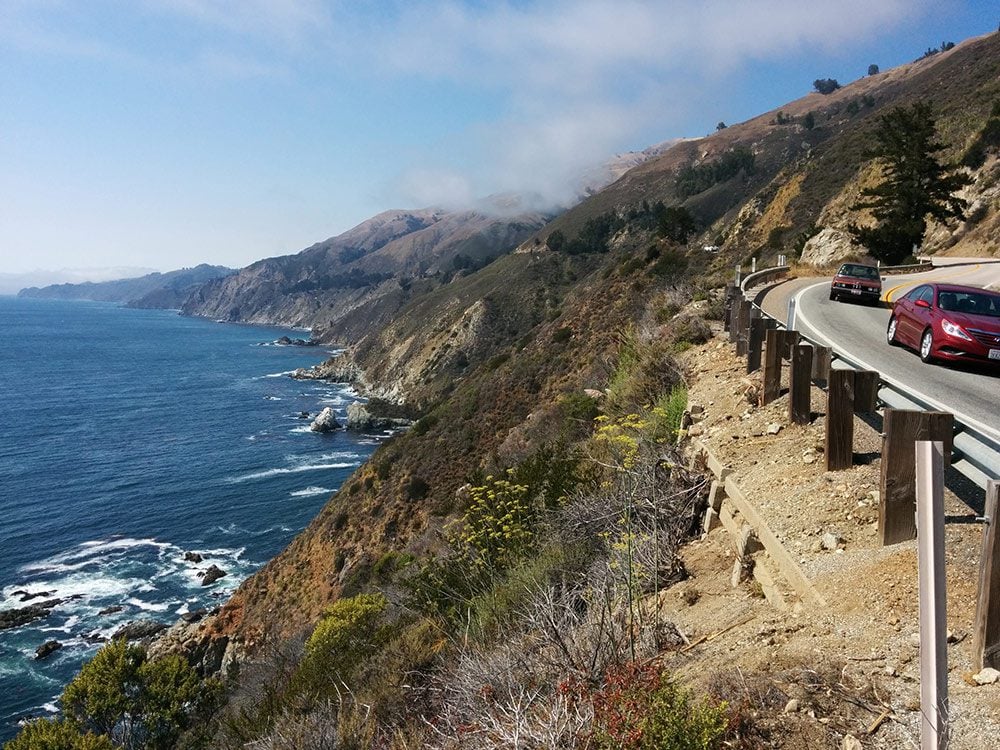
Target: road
971, 393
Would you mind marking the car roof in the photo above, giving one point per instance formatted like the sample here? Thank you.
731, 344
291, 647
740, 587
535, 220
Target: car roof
960, 288
858, 265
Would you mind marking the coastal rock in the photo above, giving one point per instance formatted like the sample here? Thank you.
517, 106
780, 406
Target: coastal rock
325, 422
95, 637
138, 630
110, 610
25, 596
287, 341
212, 575
304, 415
337, 369
47, 649
194, 615
15, 618
206, 653
359, 417
193, 557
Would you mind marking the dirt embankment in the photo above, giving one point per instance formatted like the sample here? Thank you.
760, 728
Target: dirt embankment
815, 675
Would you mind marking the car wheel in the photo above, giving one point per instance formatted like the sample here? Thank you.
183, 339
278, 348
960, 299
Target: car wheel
890, 333
926, 344
833, 296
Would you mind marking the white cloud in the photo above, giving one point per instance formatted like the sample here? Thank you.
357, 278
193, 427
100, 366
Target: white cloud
283, 21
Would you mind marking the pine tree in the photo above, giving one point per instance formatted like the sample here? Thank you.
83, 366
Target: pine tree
915, 184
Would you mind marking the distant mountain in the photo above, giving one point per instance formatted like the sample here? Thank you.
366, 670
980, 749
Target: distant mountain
352, 281
12, 283
159, 290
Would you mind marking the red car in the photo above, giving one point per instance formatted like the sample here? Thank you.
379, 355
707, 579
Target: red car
858, 282
948, 322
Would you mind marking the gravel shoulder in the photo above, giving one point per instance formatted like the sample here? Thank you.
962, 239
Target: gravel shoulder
855, 662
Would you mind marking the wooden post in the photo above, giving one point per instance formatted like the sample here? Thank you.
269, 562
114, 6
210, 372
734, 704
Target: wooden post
865, 391
840, 420
755, 344
821, 364
746, 313
772, 367
986, 627
734, 318
789, 340
901, 429
732, 293
799, 384
929, 481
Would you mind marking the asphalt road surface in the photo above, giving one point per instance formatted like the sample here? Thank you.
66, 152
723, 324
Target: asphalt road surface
971, 392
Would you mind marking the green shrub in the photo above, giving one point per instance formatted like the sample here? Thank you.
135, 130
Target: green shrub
562, 335
49, 734
638, 707
665, 421
138, 703
352, 628
417, 488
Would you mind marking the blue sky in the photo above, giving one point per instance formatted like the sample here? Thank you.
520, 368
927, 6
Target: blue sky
164, 133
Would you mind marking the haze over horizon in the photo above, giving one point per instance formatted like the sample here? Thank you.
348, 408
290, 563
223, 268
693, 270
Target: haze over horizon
168, 133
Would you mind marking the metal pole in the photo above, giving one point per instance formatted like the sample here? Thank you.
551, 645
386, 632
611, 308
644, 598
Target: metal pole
790, 322
738, 269
931, 582
753, 265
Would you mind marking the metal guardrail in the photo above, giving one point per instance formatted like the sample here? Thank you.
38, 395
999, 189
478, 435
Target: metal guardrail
977, 456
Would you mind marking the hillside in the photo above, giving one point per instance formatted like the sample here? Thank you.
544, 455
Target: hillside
349, 283
154, 290
516, 568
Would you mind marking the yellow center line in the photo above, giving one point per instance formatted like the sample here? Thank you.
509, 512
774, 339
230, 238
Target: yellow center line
893, 290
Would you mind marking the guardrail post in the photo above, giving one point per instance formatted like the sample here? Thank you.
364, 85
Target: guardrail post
747, 311
840, 420
790, 319
800, 381
734, 317
789, 340
732, 292
865, 391
753, 265
821, 365
773, 345
929, 480
986, 627
739, 276
901, 430
755, 344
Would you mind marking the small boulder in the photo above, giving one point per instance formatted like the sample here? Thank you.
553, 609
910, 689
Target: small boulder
194, 615
792, 706
831, 540
47, 649
325, 422
212, 575
193, 557
114, 608
851, 742
987, 676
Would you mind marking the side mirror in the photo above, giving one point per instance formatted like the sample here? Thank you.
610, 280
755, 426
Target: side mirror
922, 303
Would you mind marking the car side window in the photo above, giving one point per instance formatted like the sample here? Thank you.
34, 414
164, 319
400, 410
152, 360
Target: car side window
926, 294
914, 294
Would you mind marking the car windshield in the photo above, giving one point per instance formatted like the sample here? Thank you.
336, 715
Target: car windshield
972, 303
861, 272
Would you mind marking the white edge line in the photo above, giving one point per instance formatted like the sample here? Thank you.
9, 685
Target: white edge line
800, 315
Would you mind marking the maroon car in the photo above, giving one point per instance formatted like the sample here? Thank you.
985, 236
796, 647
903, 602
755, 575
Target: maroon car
858, 282
947, 321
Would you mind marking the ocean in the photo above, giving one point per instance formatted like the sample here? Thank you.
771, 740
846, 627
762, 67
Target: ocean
129, 438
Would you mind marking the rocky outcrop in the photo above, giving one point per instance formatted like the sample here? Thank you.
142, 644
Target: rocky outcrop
325, 422
340, 368
15, 618
205, 652
47, 649
139, 630
194, 557
213, 574
829, 247
360, 418
287, 341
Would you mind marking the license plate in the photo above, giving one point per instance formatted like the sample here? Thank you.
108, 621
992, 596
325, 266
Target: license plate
855, 291
994, 354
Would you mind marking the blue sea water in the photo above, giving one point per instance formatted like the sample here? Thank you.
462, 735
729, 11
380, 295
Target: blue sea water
127, 438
